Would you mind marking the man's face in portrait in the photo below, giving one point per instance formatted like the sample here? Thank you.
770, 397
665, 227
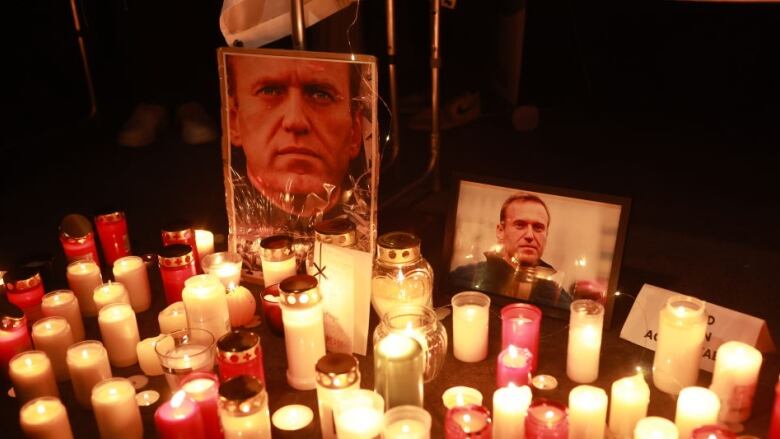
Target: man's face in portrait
523, 232
294, 121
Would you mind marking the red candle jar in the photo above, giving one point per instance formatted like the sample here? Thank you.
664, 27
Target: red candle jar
239, 353
24, 288
513, 367
181, 232
774, 426
177, 264
520, 327
112, 232
468, 421
179, 418
77, 238
546, 420
14, 337
271, 309
712, 432
203, 388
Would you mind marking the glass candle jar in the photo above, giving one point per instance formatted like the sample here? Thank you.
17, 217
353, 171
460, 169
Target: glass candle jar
470, 326
24, 288
14, 337
400, 274
243, 408
682, 324
336, 373
277, 259
304, 333
420, 323
112, 232
407, 421
181, 232
185, 351
206, 304
359, 414
203, 388
513, 367
225, 265
64, 303
520, 323
399, 364
584, 349
272, 310
468, 421
546, 420
177, 264
239, 353
77, 238
734, 380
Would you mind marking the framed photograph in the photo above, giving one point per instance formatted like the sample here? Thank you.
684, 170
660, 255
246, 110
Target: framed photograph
543, 245
299, 146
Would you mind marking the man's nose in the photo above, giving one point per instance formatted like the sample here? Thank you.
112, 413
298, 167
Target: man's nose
294, 119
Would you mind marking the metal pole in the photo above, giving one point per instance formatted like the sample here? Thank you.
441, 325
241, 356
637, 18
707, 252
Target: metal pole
84, 60
394, 131
298, 26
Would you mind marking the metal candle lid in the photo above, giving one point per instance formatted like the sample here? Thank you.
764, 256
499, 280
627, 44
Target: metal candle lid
239, 346
175, 255
75, 228
339, 231
242, 395
276, 248
337, 371
180, 230
398, 247
110, 216
299, 291
21, 278
11, 316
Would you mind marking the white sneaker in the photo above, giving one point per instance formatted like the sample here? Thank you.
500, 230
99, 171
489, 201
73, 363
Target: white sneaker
146, 122
196, 126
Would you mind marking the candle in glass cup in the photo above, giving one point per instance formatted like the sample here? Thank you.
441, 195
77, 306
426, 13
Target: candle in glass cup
510, 406
398, 370
696, 406
277, 259
585, 325
177, 264
407, 422
655, 427
77, 238
179, 418
172, 318
461, 395
108, 293
294, 420
243, 408
204, 241
587, 412
630, 397
520, 324
359, 414
63, 303
24, 288
185, 351
206, 304
715, 432
119, 331
116, 410
181, 232
734, 380
336, 374
239, 353
45, 417
513, 366
225, 265
88, 365
304, 332
470, 319
53, 336
131, 272
14, 337
272, 310
147, 355
32, 376
468, 421
112, 233
83, 278
202, 387
546, 420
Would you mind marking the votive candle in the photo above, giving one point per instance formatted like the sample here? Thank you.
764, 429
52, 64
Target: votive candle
510, 407
468, 421
63, 303
179, 418
243, 408
520, 325
461, 395
714, 432
53, 336
304, 332
116, 411
206, 304
177, 264
83, 278
682, 324
407, 422
88, 365
77, 238
24, 288
470, 319
172, 318
734, 380
108, 293
147, 356
131, 272
112, 232
204, 241
587, 412
513, 366
655, 427
696, 406
359, 414
32, 376
585, 325
203, 388
181, 232
277, 259
45, 418
14, 337
774, 425
398, 370
630, 397
239, 353
546, 420
119, 331
336, 373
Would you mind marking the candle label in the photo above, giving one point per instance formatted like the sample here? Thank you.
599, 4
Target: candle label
239, 357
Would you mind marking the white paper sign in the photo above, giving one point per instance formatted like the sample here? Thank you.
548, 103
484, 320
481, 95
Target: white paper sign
723, 324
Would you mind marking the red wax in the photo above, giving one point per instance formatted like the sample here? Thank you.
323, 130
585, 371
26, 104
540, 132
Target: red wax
82, 248
14, 338
29, 301
468, 421
173, 280
112, 232
774, 426
546, 420
239, 353
203, 388
179, 418
712, 432
590, 289
186, 236
513, 366
520, 327
271, 309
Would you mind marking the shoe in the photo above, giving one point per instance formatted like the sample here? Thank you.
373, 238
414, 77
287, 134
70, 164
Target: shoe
146, 122
196, 126
459, 111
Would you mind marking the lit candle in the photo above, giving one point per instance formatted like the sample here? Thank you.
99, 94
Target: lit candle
546, 419
243, 408
513, 366
116, 410
336, 374
271, 309
469, 421
630, 397
172, 318
185, 351
131, 272
63, 303
204, 241
179, 418
520, 324
292, 418
53, 336
407, 422
77, 238
470, 326
734, 380
510, 406
108, 293
147, 356
88, 365
587, 412
461, 395
32, 376
696, 406
206, 304
239, 353
45, 417
304, 333
398, 370
181, 232
681, 328
774, 426
202, 387
24, 288
177, 264
225, 265
112, 232
585, 326
83, 278
277, 259
359, 414
14, 337
654, 427
119, 331
715, 432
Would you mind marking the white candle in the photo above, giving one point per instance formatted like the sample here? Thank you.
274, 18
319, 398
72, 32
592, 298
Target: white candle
172, 318
131, 272
116, 410
53, 336
359, 415
225, 265
185, 351
630, 397
204, 241
108, 293
119, 331
510, 407
304, 332
470, 321
336, 374
292, 417
682, 324
585, 326
83, 277
407, 422
88, 365
696, 406
63, 303
654, 427
147, 357
45, 418
734, 380
587, 412
243, 408
460, 396
32, 376
206, 304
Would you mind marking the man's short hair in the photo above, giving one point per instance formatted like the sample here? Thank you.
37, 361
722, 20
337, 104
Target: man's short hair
523, 197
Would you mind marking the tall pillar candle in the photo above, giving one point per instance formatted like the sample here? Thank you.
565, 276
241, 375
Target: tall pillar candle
147, 356
131, 272
88, 365
63, 303
520, 325
546, 420
14, 337
513, 366
116, 410
83, 278
204, 241
655, 427
243, 408
630, 397
108, 293
112, 233
203, 388
468, 421
179, 418
407, 422
172, 318
206, 304
277, 259
587, 412
336, 373
470, 320
696, 406
119, 331
32, 376
304, 332
682, 324
45, 418
359, 414
398, 370
53, 336
177, 264
734, 380
24, 288
510, 407
585, 325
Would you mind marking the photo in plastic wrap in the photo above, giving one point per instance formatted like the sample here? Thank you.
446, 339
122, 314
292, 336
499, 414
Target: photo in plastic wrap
548, 246
299, 146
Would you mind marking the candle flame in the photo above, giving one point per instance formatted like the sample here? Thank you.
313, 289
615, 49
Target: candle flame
48, 326
85, 353
41, 409
112, 391
178, 399
549, 414
245, 408
28, 362
467, 420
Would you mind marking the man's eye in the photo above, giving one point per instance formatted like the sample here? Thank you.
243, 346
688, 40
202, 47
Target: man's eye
270, 90
319, 95
539, 228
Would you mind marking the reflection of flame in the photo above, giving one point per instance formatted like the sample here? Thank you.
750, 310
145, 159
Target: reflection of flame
581, 262
496, 248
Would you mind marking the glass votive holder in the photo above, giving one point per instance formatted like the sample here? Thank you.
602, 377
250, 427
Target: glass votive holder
470, 320
513, 366
654, 427
272, 310
520, 323
24, 288
225, 265
239, 353
359, 413
77, 238
294, 420
407, 421
185, 351
203, 388
584, 349
468, 421
112, 232
546, 419
177, 264
14, 335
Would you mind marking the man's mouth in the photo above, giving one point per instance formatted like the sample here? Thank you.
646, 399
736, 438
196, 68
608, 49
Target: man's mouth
299, 150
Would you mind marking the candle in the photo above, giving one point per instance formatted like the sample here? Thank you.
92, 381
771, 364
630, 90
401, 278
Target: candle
407, 422
202, 387
715, 432
83, 278
544, 382
204, 241
336, 374
180, 232
546, 419
206, 304
147, 356
520, 324
696, 406
77, 238
45, 417
112, 232
587, 412
63, 303
88, 365
116, 411
774, 426
359, 414
24, 288
225, 265
654, 427
14, 337
271, 309
398, 370
108, 293
304, 333
172, 318
294, 417
277, 259
243, 408
510, 406
585, 325
119, 331
470, 326
131, 272
177, 264
179, 418
53, 336
239, 353
461, 395
681, 328
184, 351
469, 421
630, 397
734, 380
32, 376
513, 366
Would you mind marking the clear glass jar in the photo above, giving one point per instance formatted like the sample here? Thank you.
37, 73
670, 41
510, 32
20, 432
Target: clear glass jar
400, 274
420, 323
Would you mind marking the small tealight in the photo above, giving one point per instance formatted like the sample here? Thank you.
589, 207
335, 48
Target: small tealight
544, 382
147, 398
292, 417
138, 381
461, 395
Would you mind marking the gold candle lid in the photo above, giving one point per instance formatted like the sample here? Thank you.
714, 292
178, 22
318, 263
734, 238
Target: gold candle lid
110, 216
11, 316
75, 228
175, 255
339, 231
299, 291
238, 346
180, 230
276, 248
337, 371
398, 247
21, 278
242, 395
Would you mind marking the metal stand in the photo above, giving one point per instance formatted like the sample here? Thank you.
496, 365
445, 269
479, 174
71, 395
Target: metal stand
298, 26
84, 60
394, 131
